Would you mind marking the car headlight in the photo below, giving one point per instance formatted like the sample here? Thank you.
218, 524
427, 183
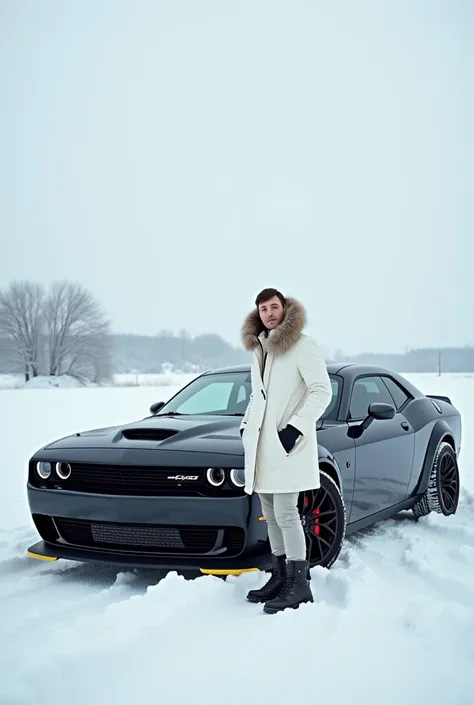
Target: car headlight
237, 477
44, 469
215, 476
63, 470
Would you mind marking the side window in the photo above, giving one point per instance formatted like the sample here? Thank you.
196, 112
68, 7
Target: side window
242, 394
399, 396
366, 390
239, 402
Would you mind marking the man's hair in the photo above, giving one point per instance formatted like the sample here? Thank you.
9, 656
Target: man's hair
267, 294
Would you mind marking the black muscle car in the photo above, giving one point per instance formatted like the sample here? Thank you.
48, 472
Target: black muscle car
166, 491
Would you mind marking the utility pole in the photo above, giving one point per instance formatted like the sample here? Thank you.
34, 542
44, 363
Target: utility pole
439, 362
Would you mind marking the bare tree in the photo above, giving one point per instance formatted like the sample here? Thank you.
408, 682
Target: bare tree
21, 324
77, 333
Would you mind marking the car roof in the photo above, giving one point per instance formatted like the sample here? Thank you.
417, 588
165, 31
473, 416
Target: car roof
352, 369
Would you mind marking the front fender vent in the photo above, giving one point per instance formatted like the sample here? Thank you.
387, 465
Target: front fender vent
148, 434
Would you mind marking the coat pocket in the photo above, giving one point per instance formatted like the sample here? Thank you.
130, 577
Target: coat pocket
293, 438
280, 446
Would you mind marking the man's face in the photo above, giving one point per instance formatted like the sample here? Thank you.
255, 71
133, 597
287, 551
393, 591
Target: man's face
271, 312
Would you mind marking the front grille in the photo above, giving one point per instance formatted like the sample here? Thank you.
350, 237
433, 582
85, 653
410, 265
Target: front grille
149, 538
135, 480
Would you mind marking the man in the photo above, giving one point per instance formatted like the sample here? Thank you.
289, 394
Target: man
290, 391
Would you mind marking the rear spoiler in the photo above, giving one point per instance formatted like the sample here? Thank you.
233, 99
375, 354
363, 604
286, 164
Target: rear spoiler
437, 396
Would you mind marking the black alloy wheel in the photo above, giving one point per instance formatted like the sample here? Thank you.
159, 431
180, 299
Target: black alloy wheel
447, 494
442, 494
323, 516
449, 484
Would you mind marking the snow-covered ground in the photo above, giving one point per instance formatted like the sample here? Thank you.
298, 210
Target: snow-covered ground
392, 622
164, 379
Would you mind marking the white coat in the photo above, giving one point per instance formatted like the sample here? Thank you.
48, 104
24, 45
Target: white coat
294, 389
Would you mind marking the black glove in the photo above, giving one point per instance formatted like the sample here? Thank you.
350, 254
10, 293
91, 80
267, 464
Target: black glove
288, 437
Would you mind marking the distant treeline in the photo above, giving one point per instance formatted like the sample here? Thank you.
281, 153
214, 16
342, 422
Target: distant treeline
153, 354
148, 354
420, 360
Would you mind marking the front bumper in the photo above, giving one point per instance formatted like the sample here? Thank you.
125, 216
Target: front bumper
53, 508
42, 550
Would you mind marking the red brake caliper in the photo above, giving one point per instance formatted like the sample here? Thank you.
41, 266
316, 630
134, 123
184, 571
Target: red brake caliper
316, 527
315, 522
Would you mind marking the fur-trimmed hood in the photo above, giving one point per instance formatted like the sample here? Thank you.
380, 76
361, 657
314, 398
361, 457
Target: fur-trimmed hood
280, 339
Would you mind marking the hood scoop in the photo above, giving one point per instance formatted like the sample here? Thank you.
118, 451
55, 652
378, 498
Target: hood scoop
148, 434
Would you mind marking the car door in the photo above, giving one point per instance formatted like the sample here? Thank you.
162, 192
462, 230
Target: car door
383, 453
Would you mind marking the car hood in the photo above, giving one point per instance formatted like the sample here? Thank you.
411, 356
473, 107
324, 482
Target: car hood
207, 434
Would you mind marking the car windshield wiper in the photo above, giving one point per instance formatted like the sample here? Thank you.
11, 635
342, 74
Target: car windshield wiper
178, 413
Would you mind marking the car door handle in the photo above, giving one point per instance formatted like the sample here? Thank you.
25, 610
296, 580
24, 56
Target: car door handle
405, 426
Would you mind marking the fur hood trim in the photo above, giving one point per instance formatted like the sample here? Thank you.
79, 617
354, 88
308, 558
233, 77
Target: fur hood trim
280, 339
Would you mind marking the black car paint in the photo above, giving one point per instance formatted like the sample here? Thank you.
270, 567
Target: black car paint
197, 434
383, 461
376, 477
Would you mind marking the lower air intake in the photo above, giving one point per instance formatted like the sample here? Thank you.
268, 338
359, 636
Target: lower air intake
147, 538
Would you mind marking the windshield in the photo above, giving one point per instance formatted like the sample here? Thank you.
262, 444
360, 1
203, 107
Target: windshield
222, 394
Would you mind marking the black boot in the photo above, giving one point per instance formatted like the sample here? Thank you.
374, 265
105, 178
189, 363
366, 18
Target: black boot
295, 591
273, 586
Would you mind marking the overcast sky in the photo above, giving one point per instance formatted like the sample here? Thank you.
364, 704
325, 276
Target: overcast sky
176, 157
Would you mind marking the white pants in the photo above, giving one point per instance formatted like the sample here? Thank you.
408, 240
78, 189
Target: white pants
285, 532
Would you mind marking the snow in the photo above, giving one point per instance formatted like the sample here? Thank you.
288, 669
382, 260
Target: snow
51, 382
136, 379
8, 381
40, 382
392, 622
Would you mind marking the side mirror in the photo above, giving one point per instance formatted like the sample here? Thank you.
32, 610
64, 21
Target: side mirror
381, 411
377, 411
156, 406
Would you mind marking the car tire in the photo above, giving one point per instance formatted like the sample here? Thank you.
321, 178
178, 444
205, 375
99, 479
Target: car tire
442, 494
338, 524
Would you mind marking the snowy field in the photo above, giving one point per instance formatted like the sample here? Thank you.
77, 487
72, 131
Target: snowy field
392, 622
164, 379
